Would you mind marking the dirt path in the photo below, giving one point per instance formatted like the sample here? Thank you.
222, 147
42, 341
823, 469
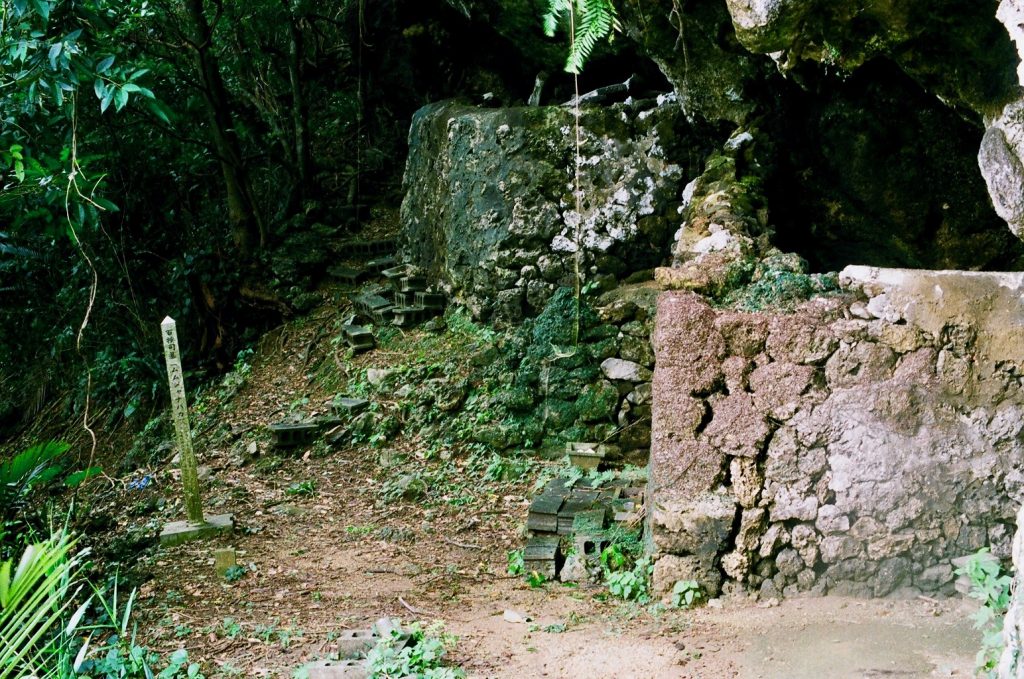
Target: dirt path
338, 561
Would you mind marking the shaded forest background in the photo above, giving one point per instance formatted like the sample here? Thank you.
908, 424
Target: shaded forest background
190, 159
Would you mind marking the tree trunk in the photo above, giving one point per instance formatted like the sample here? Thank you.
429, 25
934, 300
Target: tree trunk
246, 226
303, 155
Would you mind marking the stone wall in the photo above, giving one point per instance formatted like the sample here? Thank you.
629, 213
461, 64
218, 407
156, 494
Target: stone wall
854, 446
489, 208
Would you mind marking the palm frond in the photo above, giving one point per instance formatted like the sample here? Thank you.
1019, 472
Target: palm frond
34, 599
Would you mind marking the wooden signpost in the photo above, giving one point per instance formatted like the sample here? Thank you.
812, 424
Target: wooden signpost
196, 524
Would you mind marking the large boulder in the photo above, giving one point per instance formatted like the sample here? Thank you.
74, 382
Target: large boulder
490, 211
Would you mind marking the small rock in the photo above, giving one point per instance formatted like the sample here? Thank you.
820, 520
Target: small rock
625, 371
204, 473
412, 487
377, 376
515, 617
860, 310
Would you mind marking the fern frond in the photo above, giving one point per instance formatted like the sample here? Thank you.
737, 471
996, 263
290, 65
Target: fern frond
557, 9
595, 20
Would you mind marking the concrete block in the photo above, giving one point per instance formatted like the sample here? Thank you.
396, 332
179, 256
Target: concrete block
223, 559
297, 434
337, 669
349, 407
355, 643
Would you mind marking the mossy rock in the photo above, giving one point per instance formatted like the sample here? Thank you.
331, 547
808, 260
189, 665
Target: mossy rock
556, 325
557, 414
606, 348
598, 402
516, 399
586, 373
494, 435
600, 332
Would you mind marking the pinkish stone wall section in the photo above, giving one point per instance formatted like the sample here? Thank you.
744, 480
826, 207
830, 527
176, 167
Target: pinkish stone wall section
852, 447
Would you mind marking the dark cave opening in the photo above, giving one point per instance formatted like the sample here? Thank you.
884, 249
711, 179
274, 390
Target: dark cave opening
871, 169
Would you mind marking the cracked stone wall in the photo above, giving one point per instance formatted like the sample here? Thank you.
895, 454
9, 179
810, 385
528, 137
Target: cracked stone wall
854, 446
489, 208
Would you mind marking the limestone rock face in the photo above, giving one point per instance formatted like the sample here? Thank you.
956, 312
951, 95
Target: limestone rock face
714, 76
1001, 157
490, 209
864, 456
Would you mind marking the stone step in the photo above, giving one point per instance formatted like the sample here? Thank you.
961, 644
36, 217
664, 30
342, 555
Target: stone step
348, 275
430, 300
358, 337
378, 264
412, 283
294, 434
404, 299
408, 316
384, 315
349, 407
354, 643
394, 274
337, 669
541, 555
368, 302
383, 246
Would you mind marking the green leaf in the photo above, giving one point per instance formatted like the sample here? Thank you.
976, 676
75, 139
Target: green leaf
120, 98
157, 109
55, 50
42, 7
107, 205
100, 88
80, 477
105, 65
107, 98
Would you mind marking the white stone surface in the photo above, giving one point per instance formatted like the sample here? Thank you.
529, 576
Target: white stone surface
1011, 15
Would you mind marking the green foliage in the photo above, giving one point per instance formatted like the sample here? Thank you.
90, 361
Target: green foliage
422, 658
991, 587
686, 594
230, 629
515, 562
626, 573
589, 21
180, 668
29, 469
631, 585
536, 579
301, 489
235, 573
36, 597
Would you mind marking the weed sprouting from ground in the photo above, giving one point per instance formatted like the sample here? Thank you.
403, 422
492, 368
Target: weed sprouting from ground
991, 587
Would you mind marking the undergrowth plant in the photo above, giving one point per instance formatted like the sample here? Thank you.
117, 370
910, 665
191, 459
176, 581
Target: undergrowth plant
626, 572
421, 658
991, 587
686, 594
36, 623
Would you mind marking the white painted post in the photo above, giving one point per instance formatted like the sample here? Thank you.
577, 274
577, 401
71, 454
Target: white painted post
179, 412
